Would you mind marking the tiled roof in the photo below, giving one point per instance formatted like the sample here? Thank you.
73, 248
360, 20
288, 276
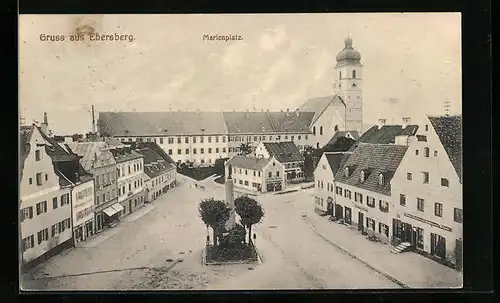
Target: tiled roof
125, 154
113, 142
334, 160
319, 104
376, 159
248, 122
153, 165
449, 131
248, 162
87, 152
284, 151
161, 123
156, 148
291, 122
386, 134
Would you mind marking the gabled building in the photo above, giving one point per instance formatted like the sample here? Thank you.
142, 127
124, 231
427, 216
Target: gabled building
256, 174
324, 177
427, 190
160, 174
47, 174
285, 153
96, 159
363, 187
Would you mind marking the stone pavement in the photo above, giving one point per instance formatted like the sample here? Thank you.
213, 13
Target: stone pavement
409, 268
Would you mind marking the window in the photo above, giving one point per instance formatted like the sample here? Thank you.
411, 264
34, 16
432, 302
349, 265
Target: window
41, 207
305, 137
209, 149
209, 139
435, 153
438, 209
37, 155
223, 149
246, 182
402, 200
179, 140
202, 150
416, 152
370, 223
358, 197
187, 151
43, 235
457, 215
223, 139
314, 130
321, 130
39, 179
161, 140
354, 74
346, 172
362, 176
347, 194
426, 152
340, 74
338, 190
31, 181
201, 139
292, 138
408, 176
425, 176
370, 201
381, 179
298, 137
179, 151
445, 182
427, 128
383, 229
271, 174
186, 140
278, 174
26, 213
194, 139
28, 242
46, 177
64, 199
216, 149
420, 204
54, 203
383, 206
240, 182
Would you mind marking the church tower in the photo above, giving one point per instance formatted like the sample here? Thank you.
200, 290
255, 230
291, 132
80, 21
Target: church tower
348, 85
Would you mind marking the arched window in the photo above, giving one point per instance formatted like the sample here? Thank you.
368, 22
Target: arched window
314, 130
336, 128
321, 130
381, 179
354, 74
427, 152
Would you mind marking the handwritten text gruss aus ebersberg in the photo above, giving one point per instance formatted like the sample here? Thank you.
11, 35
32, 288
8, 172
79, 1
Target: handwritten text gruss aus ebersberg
225, 38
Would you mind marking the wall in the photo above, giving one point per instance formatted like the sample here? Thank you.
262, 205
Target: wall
331, 117
83, 199
108, 174
451, 197
323, 175
352, 96
273, 167
240, 175
31, 194
159, 182
130, 178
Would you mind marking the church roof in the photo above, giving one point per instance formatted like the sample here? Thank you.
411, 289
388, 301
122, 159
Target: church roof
318, 105
291, 122
348, 53
449, 131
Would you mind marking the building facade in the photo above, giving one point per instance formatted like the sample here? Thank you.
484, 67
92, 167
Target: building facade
45, 198
427, 191
324, 178
82, 196
287, 154
256, 174
130, 180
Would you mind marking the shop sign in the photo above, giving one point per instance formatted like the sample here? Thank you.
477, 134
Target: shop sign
443, 227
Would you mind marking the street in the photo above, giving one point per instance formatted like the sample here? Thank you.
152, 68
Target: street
160, 247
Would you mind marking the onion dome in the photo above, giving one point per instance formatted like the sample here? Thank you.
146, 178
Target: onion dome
348, 53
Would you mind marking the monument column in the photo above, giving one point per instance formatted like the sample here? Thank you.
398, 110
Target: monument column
230, 199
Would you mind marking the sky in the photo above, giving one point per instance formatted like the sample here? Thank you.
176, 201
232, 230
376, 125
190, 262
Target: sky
412, 64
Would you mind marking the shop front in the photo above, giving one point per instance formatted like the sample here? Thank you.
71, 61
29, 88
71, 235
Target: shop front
274, 186
112, 213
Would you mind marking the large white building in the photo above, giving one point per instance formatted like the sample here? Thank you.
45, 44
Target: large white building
202, 137
256, 174
82, 197
324, 178
427, 190
47, 173
287, 154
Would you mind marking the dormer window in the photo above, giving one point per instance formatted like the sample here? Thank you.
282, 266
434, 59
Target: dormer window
346, 172
362, 176
381, 179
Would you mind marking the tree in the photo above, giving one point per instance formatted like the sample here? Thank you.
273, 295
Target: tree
219, 167
250, 212
245, 149
214, 213
339, 145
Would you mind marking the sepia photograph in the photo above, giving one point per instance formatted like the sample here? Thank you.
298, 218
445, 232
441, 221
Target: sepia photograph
240, 152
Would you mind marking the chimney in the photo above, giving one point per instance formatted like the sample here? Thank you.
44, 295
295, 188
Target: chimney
406, 121
297, 112
45, 124
381, 122
45, 120
93, 120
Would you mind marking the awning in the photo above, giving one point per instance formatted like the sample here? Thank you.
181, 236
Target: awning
113, 209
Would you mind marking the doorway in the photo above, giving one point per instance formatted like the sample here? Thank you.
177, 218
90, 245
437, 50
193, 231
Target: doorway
438, 246
339, 212
130, 206
329, 208
360, 221
458, 253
